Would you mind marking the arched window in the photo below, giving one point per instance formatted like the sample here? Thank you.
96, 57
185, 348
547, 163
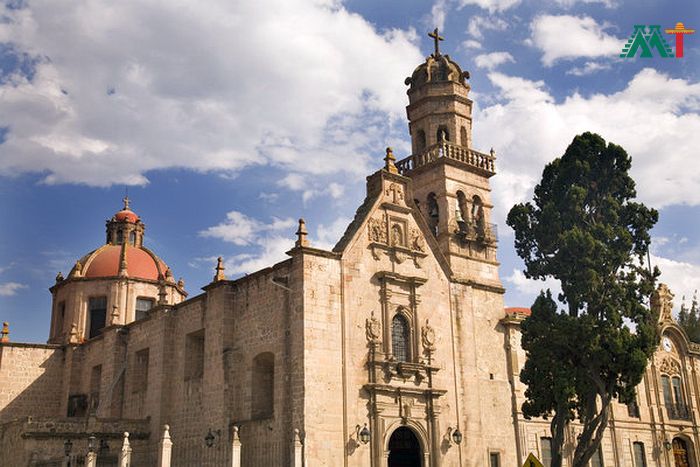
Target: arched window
640, 458
263, 388
120, 237
462, 209
400, 338
420, 140
132, 238
477, 216
673, 397
433, 213
463, 137
442, 133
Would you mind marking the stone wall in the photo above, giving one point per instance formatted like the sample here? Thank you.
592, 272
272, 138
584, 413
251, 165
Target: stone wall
31, 375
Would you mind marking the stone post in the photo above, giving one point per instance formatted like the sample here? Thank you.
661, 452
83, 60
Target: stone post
125, 453
297, 450
165, 447
235, 449
91, 459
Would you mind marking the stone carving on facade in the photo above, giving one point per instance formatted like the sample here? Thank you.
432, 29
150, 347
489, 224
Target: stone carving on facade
417, 241
662, 302
397, 235
428, 338
373, 329
670, 367
377, 231
395, 193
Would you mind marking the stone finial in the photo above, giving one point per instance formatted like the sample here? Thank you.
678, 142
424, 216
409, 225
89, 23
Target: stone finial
390, 160
493, 152
302, 234
219, 276
235, 448
297, 449
165, 447
77, 269
73, 335
125, 452
5, 334
181, 283
59, 277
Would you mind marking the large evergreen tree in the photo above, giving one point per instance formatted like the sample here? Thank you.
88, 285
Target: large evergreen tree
689, 319
583, 229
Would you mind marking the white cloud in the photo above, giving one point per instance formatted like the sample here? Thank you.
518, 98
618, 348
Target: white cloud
478, 24
437, 14
568, 37
471, 44
491, 5
532, 287
242, 230
682, 278
328, 235
8, 289
570, 3
271, 250
588, 68
655, 118
493, 60
122, 88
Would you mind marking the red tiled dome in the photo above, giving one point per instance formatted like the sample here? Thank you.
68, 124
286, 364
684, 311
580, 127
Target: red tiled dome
518, 310
126, 215
139, 263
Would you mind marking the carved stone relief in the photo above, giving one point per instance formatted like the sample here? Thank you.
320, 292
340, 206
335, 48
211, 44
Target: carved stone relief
373, 329
395, 193
428, 338
662, 302
376, 230
670, 367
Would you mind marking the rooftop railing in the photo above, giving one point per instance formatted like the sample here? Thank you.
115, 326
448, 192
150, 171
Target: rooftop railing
485, 162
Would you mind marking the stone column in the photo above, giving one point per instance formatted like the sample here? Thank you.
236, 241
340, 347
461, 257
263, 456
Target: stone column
165, 447
125, 453
297, 449
235, 449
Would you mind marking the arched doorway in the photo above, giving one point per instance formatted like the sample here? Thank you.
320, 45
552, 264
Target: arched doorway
681, 454
404, 449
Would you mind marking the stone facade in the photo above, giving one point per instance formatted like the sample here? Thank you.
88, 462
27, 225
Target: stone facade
393, 347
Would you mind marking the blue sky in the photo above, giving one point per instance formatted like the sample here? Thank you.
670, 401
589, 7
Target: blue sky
229, 120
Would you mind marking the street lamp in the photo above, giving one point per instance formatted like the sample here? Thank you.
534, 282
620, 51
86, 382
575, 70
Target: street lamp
363, 435
91, 443
454, 435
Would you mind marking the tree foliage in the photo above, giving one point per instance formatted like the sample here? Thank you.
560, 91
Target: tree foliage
689, 319
583, 229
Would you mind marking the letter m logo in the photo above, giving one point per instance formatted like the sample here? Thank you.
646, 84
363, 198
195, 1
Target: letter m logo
646, 40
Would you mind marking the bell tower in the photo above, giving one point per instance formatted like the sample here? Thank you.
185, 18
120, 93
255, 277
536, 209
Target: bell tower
450, 179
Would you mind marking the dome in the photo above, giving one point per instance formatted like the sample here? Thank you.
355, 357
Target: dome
435, 69
126, 215
141, 263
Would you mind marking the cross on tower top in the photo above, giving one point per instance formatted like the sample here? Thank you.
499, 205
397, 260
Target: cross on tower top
436, 38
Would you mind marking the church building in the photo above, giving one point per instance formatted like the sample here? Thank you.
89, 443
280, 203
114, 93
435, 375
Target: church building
392, 349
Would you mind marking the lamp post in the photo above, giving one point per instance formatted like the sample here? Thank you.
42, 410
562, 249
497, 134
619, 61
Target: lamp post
67, 448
